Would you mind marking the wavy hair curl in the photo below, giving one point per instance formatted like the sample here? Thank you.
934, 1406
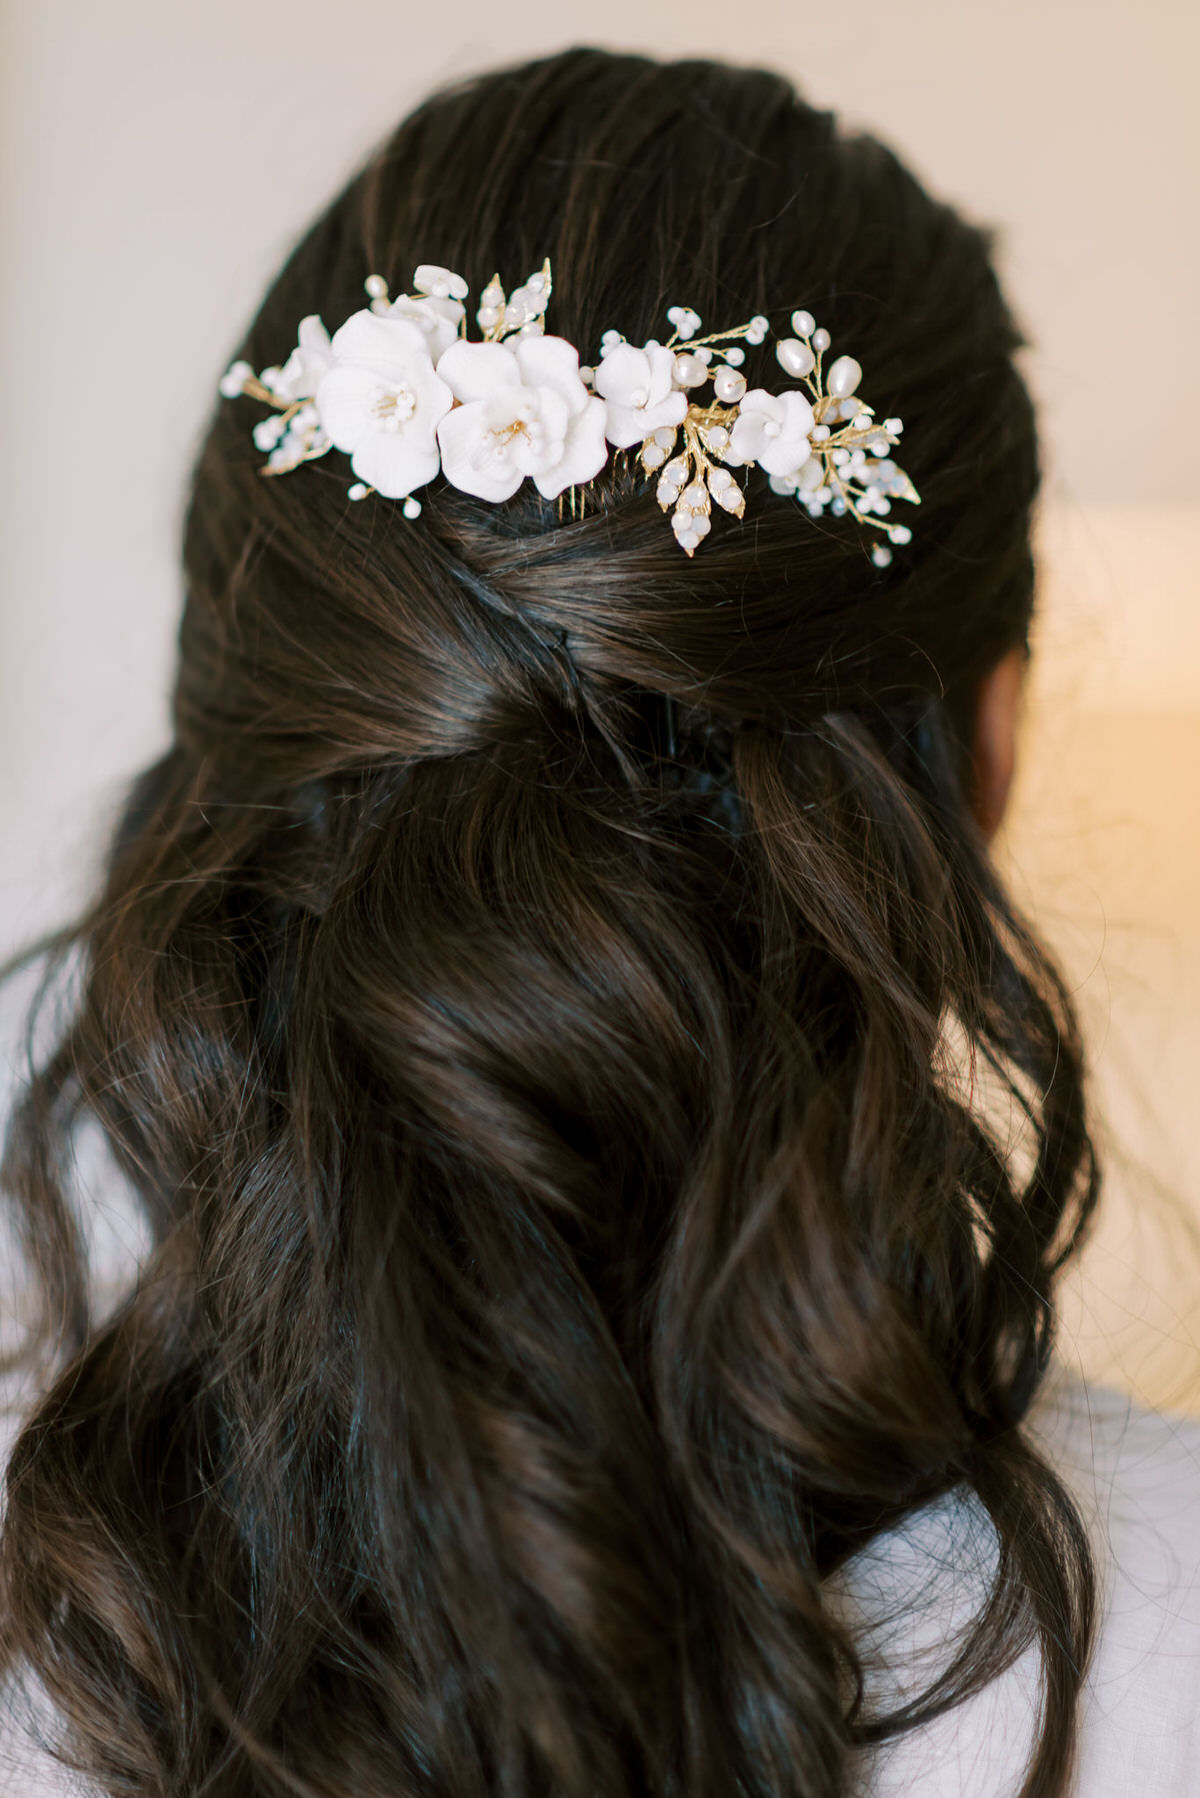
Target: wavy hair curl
519, 1000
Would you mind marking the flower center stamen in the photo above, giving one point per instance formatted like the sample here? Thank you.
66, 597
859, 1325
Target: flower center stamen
392, 407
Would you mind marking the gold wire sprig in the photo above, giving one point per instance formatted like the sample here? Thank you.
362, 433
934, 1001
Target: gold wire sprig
846, 461
692, 479
850, 469
521, 314
294, 435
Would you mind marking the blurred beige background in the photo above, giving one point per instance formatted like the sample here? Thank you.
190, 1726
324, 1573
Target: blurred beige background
158, 160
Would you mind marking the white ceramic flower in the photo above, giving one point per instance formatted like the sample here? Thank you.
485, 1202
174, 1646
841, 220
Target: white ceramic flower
639, 393
382, 401
308, 363
524, 411
772, 429
437, 316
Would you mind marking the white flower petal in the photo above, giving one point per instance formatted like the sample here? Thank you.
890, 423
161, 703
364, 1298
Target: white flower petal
772, 430
626, 425
463, 436
624, 377
437, 319
584, 455
791, 449
542, 443
380, 342
301, 373
474, 371
393, 463
355, 403
344, 399
800, 415
784, 455
553, 362
747, 438
637, 385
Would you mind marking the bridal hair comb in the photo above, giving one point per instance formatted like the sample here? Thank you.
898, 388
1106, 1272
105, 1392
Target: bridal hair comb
405, 393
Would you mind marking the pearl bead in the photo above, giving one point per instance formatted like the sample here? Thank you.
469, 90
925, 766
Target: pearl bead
233, 379
795, 358
717, 438
376, 286
843, 377
760, 323
728, 385
900, 533
688, 371
359, 490
487, 317
881, 555
820, 341
412, 508
719, 479
735, 357
695, 497
803, 324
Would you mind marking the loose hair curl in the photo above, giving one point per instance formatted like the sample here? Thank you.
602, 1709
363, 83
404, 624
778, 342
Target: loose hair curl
520, 1000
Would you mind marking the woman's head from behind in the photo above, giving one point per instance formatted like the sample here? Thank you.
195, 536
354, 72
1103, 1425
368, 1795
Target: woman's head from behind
526, 999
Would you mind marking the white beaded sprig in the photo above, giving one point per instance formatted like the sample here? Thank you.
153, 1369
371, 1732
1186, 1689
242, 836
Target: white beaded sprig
406, 394
850, 469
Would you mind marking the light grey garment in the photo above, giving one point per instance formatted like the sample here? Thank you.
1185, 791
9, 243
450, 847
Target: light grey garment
1135, 1473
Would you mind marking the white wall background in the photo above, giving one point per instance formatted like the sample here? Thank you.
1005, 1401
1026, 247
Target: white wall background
158, 159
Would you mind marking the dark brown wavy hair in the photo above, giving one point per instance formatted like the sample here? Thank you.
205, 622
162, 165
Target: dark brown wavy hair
525, 1000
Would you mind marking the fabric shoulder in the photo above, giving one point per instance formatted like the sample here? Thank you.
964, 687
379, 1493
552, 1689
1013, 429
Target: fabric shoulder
1135, 1476
1135, 1473
111, 1218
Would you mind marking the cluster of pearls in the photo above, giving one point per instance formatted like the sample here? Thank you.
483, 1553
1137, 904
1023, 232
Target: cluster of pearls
523, 314
289, 436
850, 470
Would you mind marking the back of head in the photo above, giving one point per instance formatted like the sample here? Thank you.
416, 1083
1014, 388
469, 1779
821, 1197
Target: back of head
531, 999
